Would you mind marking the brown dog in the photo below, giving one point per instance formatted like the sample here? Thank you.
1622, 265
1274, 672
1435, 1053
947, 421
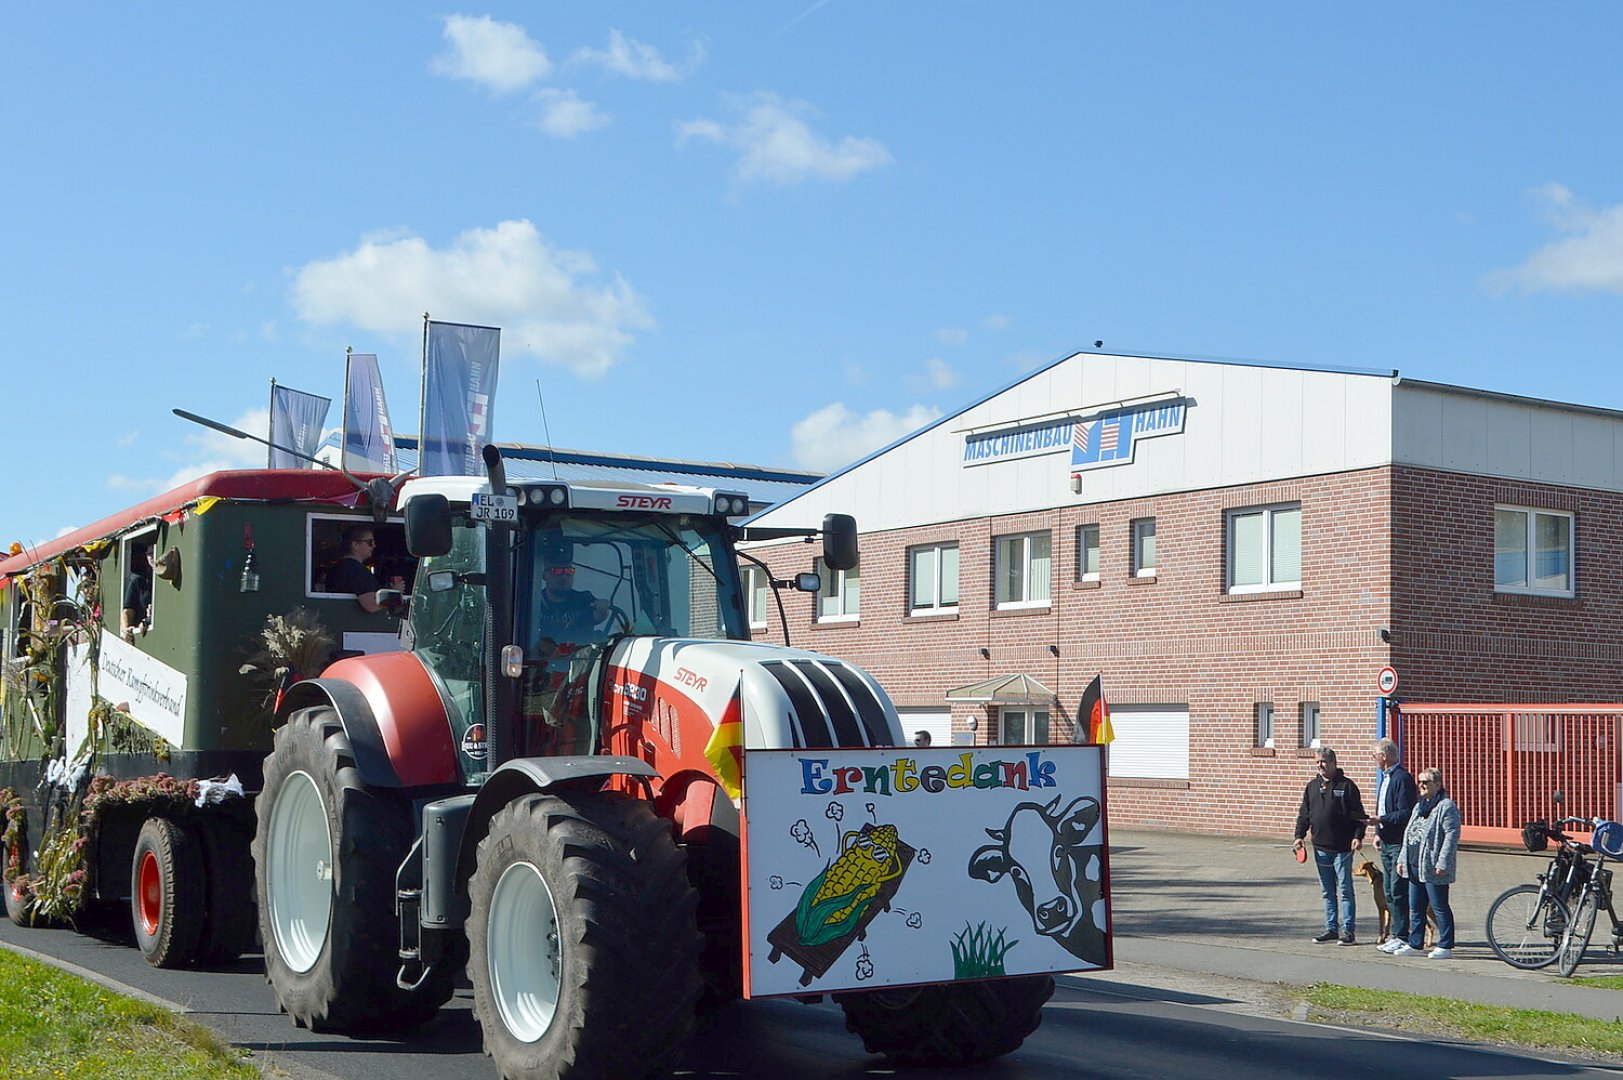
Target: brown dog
1377, 883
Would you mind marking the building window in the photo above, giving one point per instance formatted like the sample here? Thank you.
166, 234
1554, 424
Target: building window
755, 595
840, 596
1265, 548
1023, 727
1143, 539
932, 575
1022, 571
1087, 553
1532, 551
1310, 723
1265, 723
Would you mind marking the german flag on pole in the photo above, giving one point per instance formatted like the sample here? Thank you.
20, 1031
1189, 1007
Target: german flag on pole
1093, 715
725, 750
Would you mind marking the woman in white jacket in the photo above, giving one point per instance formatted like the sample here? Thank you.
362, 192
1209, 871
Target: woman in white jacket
1431, 847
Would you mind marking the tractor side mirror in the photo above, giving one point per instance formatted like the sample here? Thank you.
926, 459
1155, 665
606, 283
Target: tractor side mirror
808, 582
428, 525
840, 541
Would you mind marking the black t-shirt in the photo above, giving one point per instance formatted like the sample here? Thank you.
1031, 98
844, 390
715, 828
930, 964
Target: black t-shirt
567, 620
138, 595
351, 576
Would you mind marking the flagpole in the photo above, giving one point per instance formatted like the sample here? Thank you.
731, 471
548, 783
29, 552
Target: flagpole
270, 423
422, 403
343, 417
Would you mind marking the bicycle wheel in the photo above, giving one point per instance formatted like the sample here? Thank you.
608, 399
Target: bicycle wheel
1525, 927
1576, 939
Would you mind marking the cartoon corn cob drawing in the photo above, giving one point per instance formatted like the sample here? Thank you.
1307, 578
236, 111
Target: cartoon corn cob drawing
835, 900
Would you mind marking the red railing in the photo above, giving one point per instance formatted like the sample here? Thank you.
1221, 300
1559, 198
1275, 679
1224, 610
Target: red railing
1502, 763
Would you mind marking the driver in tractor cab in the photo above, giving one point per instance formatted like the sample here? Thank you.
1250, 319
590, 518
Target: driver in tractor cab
565, 616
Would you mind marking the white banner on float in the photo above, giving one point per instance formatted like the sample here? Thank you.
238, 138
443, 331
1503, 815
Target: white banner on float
79, 699
890, 867
148, 689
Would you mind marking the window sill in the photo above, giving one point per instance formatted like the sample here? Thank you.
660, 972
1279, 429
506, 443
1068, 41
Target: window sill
839, 620
1015, 612
1534, 599
1142, 579
1307, 753
1263, 751
930, 616
1091, 583
1148, 782
1250, 597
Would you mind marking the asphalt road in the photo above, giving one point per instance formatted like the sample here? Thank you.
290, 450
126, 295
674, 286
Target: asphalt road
1110, 1026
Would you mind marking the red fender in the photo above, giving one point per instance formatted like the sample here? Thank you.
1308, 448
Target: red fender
409, 713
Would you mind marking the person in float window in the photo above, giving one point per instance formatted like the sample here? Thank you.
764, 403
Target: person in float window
137, 606
351, 575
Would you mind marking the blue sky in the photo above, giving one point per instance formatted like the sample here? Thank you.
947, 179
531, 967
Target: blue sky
778, 233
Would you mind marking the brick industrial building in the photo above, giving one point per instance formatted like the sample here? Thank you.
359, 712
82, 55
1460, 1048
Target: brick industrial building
1239, 549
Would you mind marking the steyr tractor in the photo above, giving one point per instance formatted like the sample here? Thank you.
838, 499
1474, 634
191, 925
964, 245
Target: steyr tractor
545, 786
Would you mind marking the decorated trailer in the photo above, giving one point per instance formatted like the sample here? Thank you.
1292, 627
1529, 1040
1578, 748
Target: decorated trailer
141, 660
583, 784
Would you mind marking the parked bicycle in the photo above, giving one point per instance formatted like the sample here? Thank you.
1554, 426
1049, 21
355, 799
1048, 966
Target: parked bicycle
1527, 923
1595, 896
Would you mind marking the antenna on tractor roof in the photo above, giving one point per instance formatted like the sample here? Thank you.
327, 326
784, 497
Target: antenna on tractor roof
546, 427
379, 492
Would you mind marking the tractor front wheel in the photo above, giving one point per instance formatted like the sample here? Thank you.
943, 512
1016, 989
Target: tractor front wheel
583, 943
325, 855
948, 1024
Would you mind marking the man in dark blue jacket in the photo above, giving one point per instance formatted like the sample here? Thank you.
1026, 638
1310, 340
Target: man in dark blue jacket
1395, 797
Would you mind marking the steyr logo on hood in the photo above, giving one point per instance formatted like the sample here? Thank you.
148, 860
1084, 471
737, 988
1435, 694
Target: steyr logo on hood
644, 502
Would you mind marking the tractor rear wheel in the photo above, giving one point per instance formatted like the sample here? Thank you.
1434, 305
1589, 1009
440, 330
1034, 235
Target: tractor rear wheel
584, 949
166, 893
950, 1024
325, 853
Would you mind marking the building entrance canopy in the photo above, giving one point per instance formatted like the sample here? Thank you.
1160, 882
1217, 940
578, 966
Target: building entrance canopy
1005, 690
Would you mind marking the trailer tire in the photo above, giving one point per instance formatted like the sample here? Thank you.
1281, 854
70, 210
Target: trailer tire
946, 1025
584, 948
325, 852
17, 906
230, 923
166, 893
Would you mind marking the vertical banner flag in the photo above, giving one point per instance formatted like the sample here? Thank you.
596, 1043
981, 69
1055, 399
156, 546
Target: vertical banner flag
368, 439
296, 419
1093, 715
459, 387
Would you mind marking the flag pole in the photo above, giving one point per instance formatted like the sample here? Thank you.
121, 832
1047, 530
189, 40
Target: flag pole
270, 428
343, 419
422, 404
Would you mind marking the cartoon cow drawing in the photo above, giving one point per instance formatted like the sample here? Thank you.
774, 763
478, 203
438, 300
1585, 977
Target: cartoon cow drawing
1057, 878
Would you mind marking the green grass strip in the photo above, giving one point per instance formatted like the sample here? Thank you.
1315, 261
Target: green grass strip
55, 1025
1464, 1019
1601, 982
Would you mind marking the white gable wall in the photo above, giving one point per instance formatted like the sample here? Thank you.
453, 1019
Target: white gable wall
1243, 424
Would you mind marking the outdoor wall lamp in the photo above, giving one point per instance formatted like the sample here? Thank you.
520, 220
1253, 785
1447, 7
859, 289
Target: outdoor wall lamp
1386, 635
986, 654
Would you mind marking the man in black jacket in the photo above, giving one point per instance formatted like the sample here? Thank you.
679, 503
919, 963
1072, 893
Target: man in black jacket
1395, 797
1333, 811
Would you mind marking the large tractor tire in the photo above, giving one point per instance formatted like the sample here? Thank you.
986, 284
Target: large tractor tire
951, 1024
166, 893
583, 945
229, 924
325, 854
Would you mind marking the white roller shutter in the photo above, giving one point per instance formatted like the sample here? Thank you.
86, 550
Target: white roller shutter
938, 722
1152, 741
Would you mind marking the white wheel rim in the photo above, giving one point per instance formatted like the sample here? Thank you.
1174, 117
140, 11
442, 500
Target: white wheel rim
299, 875
524, 954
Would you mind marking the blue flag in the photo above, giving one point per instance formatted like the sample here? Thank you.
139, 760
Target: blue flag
296, 419
459, 390
368, 439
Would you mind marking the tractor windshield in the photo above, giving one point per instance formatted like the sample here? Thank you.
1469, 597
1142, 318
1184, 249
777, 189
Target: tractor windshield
582, 579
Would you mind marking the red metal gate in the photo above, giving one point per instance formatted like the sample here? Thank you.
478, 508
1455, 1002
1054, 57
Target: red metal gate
1502, 763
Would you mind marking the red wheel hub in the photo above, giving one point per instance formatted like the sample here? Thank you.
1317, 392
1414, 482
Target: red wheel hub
149, 893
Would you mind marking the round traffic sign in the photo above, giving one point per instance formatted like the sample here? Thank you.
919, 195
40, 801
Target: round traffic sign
1388, 680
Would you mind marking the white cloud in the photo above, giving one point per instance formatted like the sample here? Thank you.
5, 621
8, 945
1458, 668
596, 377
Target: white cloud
565, 115
202, 451
855, 373
634, 60
834, 436
995, 322
942, 375
952, 335
776, 145
497, 55
128, 440
1588, 259
507, 276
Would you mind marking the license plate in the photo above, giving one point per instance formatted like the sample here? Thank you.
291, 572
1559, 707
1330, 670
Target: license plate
495, 508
